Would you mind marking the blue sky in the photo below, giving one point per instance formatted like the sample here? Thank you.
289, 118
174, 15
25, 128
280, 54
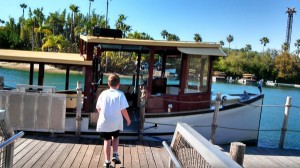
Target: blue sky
247, 20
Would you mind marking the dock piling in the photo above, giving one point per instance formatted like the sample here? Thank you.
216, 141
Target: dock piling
78, 108
285, 121
237, 152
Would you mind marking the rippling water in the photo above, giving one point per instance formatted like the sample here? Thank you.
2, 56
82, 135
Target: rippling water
272, 117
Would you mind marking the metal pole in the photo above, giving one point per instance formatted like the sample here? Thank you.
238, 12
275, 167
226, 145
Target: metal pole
78, 108
106, 14
285, 121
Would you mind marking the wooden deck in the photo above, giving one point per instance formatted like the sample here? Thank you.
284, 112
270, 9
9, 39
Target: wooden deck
268, 157
69, 151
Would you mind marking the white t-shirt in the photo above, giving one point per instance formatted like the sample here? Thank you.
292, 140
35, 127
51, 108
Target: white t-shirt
111, 102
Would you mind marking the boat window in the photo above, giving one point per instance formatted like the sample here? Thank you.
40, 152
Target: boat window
173, 68
197, 75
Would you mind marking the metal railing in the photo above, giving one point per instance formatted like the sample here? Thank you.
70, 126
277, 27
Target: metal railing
7, 139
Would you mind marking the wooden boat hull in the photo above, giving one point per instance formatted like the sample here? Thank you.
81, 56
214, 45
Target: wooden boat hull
236, 122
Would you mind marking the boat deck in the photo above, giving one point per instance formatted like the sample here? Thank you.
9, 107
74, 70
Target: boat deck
69, 151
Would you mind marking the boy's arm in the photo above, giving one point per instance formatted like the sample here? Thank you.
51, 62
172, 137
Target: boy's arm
126, 116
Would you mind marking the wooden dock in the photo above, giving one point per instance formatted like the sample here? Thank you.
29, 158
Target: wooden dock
269, 157
69, 151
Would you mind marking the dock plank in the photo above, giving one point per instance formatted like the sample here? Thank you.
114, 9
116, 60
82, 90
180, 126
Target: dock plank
88, 156
156, 155
31, 152
40, 152
42, 160
149, 155
71, 157
79, 158
135, 162
96, 156
142, 155
27, 147
64, 154
127, 155
55, 155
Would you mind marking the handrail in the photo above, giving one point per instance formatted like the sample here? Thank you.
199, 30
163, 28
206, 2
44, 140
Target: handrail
11, 139
171, 154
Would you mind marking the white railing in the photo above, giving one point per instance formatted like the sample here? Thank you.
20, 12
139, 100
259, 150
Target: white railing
193, 150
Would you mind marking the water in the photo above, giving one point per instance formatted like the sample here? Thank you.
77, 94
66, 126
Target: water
271, 119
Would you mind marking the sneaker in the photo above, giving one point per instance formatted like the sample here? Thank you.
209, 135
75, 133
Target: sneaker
106, 165
116, 158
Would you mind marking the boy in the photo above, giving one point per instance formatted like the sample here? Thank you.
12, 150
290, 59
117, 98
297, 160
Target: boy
111, 105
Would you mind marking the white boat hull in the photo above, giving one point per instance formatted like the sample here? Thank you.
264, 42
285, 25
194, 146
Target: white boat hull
234, 124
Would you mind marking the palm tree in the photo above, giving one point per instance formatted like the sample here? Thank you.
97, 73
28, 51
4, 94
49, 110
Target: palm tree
74, 9
39, 17
23, 6
197, 37
264, 41
221, 43
164, 34
229, 40
248, 48
120, 25
173, 37
297, 44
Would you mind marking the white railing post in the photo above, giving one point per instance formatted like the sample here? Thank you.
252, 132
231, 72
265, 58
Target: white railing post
214, 125
78, 108
142, 113
285, 121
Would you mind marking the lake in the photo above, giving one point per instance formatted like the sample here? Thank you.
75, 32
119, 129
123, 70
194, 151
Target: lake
272, 115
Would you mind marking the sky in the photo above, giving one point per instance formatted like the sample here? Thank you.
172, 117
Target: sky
246, 20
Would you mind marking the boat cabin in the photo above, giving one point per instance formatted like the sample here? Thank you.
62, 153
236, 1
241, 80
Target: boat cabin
179, 81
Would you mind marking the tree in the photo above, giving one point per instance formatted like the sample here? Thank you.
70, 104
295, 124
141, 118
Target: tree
248, 48
120, 25
2, 21
229, 40
39, 18
297, 44
173, 37
197, 37
221, 43
23, 6
53, 42
285, 47
75, 10
164, 34
264, 41
287, 67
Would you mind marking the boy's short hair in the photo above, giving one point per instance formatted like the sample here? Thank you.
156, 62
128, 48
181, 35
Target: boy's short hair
113, 80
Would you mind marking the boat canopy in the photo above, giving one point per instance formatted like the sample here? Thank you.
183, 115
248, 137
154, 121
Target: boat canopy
143, 46
202, 51
43, 57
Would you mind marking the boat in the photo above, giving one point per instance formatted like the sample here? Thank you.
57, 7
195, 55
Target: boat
271, 83
218, 76
156, 101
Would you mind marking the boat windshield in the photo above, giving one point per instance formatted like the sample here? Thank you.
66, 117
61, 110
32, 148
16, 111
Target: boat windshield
198, 69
